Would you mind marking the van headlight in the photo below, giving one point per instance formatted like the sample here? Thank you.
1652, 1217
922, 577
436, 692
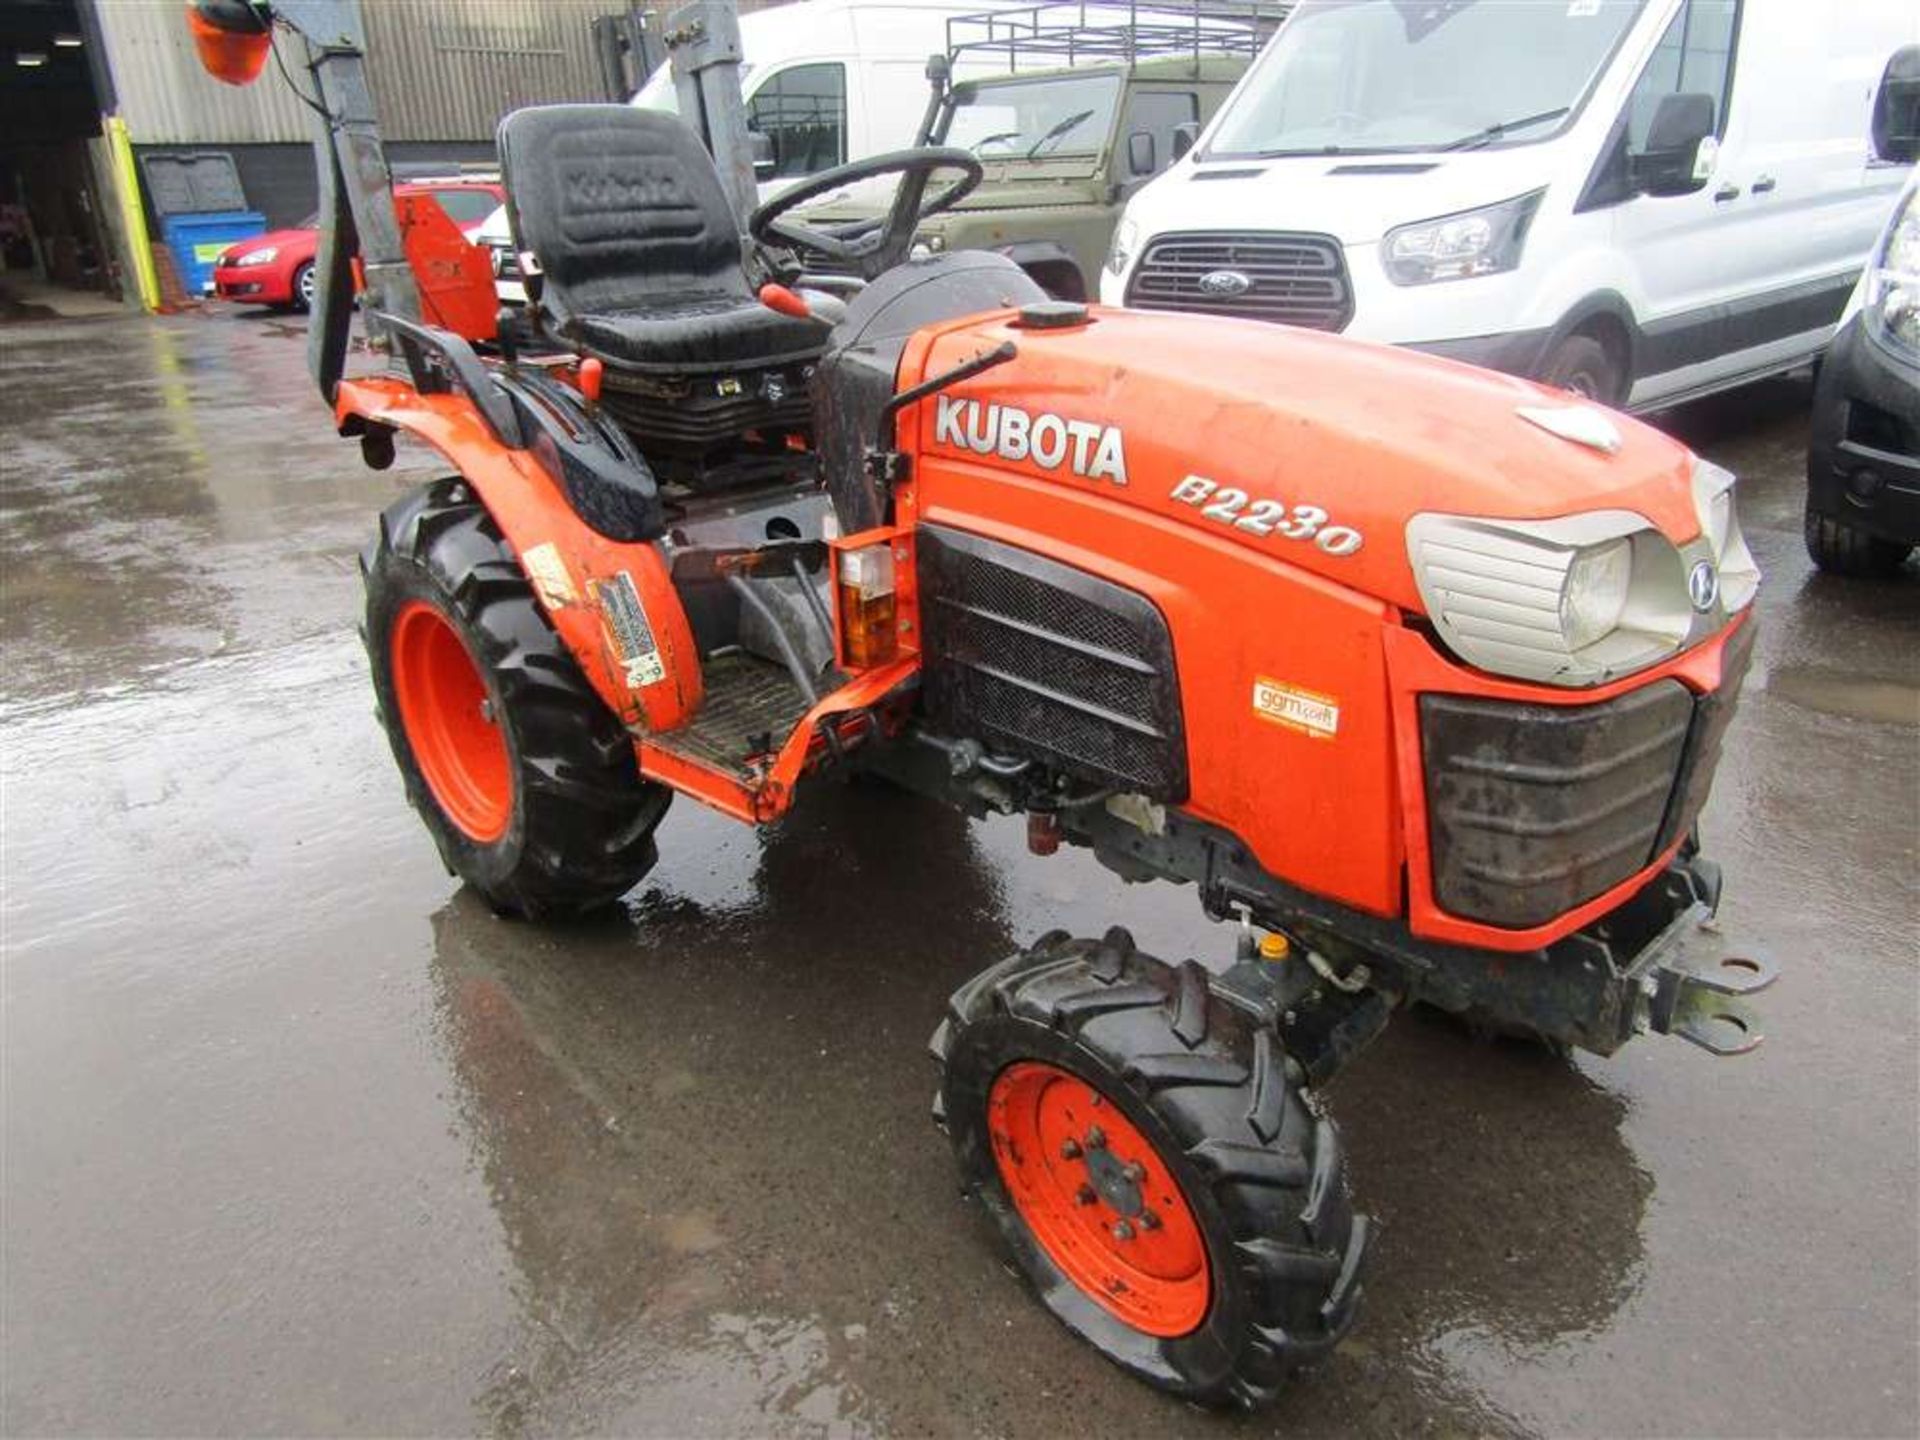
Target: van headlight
1126, 235
1893, 283
1574, 601
1458, 247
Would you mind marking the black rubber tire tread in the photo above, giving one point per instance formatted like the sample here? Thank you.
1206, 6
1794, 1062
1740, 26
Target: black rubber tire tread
1202, 1074
581, 834
1582, 357
1842, 549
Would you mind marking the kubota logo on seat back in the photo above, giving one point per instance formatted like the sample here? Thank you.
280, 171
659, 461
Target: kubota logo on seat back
1095, 451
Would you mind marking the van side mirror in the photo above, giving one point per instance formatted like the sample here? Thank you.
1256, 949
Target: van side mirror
760, 146
1896, 109
1141, 153
1678, 156
1185, 135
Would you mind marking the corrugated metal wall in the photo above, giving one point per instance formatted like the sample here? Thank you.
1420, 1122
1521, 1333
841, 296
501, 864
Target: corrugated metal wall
440, 70
449, 69
165, 96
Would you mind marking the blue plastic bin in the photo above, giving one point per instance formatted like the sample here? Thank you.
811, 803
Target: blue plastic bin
197, 240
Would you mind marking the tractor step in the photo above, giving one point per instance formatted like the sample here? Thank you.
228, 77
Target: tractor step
751, 706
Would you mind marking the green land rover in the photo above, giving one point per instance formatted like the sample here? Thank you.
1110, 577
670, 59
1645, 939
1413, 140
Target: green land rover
1062, 149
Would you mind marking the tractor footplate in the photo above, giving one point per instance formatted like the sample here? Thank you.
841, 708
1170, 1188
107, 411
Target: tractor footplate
1697, 991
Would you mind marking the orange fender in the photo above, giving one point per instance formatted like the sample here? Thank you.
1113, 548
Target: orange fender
578, 575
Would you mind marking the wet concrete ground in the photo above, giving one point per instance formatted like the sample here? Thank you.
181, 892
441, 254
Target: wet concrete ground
299, 1139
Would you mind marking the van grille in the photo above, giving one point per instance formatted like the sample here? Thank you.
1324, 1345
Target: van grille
1051, 663
1294, 279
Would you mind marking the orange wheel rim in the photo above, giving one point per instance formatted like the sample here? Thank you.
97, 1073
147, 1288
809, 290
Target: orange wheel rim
448, 716
1098, 1198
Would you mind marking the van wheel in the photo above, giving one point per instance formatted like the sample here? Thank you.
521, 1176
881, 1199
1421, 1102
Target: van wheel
1583, 365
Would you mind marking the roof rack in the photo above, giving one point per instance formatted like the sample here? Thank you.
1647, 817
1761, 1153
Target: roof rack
1071, 32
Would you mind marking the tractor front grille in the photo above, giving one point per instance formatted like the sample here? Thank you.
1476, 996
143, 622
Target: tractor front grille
1536, 809
1291, 278
1051, 663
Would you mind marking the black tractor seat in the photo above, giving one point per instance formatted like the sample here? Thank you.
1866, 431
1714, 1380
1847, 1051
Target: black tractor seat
639, 251
700, 332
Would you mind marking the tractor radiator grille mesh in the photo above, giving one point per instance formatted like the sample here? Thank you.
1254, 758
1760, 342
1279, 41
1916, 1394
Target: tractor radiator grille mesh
1045, 661
1296, 279
1536, 809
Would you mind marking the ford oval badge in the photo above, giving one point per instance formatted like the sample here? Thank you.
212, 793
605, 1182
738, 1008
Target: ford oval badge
1225, 283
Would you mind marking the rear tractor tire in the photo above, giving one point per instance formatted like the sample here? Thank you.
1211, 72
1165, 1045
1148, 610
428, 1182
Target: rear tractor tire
1152, 1160
526, 781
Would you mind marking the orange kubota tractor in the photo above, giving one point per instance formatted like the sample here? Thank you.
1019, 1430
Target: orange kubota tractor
1416, 672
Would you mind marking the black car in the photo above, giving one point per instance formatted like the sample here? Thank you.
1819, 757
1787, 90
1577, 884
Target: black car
1863, 463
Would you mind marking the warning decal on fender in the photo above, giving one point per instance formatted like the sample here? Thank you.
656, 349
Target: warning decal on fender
548, 572
627, 626
1307, 711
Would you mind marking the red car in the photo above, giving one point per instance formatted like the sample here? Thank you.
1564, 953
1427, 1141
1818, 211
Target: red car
277, 268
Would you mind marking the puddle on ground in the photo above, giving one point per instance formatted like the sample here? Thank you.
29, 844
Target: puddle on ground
1886, 701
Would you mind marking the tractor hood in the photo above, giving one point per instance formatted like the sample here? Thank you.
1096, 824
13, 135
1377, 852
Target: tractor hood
1312, 448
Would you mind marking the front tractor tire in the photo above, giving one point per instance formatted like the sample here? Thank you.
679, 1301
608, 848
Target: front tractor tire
526, 781
1152, 1160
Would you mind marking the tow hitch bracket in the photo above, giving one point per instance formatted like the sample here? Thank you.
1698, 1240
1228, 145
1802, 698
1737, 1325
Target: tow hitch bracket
1697, 992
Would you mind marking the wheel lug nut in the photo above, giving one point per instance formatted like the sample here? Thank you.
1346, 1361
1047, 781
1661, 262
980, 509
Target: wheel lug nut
1149, 1220
1070, 1150
486, 711
1086, 1195
1122, 1230
1134, 1171
1096, 1138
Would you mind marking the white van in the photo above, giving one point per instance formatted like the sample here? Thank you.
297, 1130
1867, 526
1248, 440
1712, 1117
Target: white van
1642, 200
828, 81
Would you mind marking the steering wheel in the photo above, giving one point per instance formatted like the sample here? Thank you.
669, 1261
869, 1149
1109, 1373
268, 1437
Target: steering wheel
877, 244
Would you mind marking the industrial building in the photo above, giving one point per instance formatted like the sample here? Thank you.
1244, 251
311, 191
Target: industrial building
97, 95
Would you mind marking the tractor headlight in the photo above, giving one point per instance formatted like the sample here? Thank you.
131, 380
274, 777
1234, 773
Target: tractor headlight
1574, 601
1893, 282
1595, 592
1126, 237
1458, 247
1733, 562
266, 255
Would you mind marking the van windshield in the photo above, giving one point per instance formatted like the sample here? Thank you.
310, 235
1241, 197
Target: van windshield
1365, 76
1034, 119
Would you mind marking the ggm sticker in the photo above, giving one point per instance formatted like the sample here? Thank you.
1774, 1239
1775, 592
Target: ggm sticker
1307, 711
